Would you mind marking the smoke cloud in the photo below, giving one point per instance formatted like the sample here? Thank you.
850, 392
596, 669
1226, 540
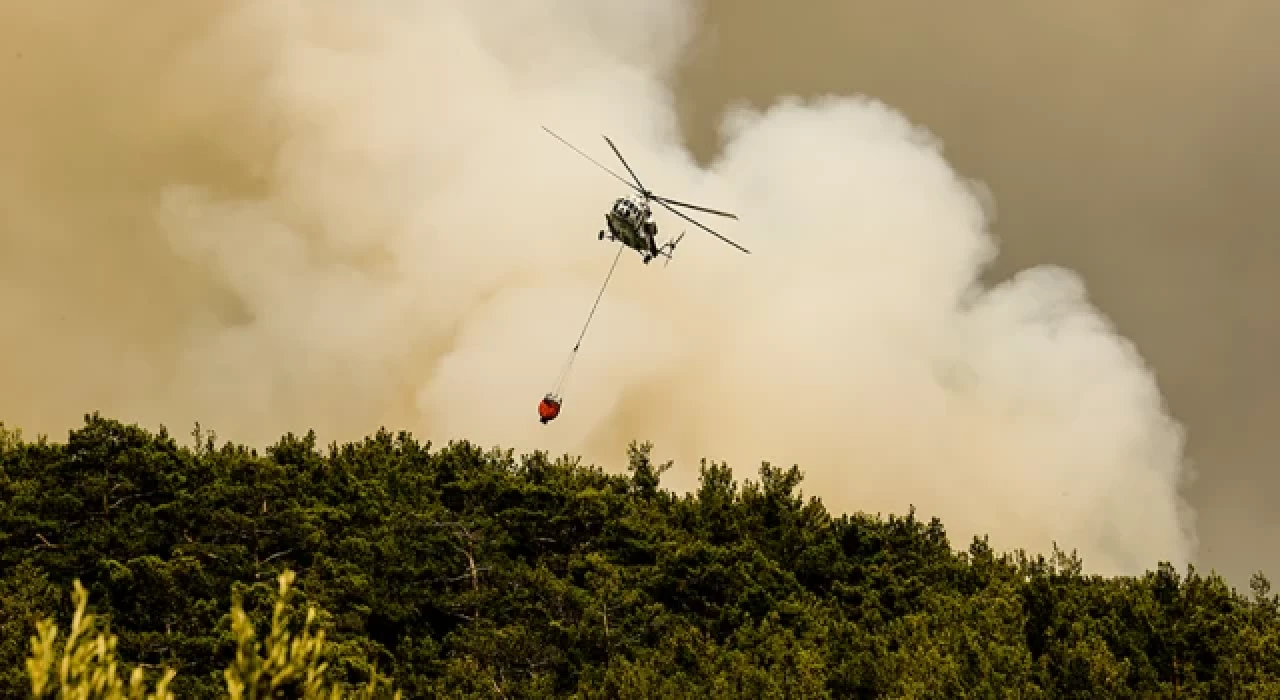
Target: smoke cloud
285, 215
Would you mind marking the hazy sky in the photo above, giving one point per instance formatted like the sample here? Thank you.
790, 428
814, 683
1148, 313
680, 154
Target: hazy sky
1134, 142
271, 216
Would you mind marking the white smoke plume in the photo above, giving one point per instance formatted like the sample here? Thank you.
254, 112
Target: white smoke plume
279, 215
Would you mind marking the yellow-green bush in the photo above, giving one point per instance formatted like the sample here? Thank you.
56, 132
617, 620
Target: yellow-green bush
290, 665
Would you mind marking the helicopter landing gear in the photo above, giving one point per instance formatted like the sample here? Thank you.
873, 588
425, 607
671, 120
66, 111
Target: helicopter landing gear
600, 237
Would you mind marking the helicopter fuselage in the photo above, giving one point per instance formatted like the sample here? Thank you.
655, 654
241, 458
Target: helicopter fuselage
628, 222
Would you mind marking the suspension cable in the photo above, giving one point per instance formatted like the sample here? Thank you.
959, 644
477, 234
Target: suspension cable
573, 354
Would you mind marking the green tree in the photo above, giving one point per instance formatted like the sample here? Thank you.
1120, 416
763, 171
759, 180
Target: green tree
465, 572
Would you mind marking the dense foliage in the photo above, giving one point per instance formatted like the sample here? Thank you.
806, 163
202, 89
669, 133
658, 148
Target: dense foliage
462, 572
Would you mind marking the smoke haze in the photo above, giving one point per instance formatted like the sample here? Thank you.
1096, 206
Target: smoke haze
277, 216
1133, 142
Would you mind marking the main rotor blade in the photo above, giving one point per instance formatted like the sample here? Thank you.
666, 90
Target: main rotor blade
618, 153
695, 206
704, 228
593, 160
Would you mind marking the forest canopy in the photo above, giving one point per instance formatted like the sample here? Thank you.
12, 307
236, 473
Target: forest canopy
465, 572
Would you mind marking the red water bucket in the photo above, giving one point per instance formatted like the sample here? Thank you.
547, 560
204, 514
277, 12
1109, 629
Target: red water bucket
548, 408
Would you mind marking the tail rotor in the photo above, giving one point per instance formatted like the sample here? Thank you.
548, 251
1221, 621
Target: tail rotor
669, 248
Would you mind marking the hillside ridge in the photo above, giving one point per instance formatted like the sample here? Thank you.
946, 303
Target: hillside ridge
467, 572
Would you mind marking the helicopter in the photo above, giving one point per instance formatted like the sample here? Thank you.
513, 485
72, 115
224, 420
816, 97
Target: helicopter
630, 220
